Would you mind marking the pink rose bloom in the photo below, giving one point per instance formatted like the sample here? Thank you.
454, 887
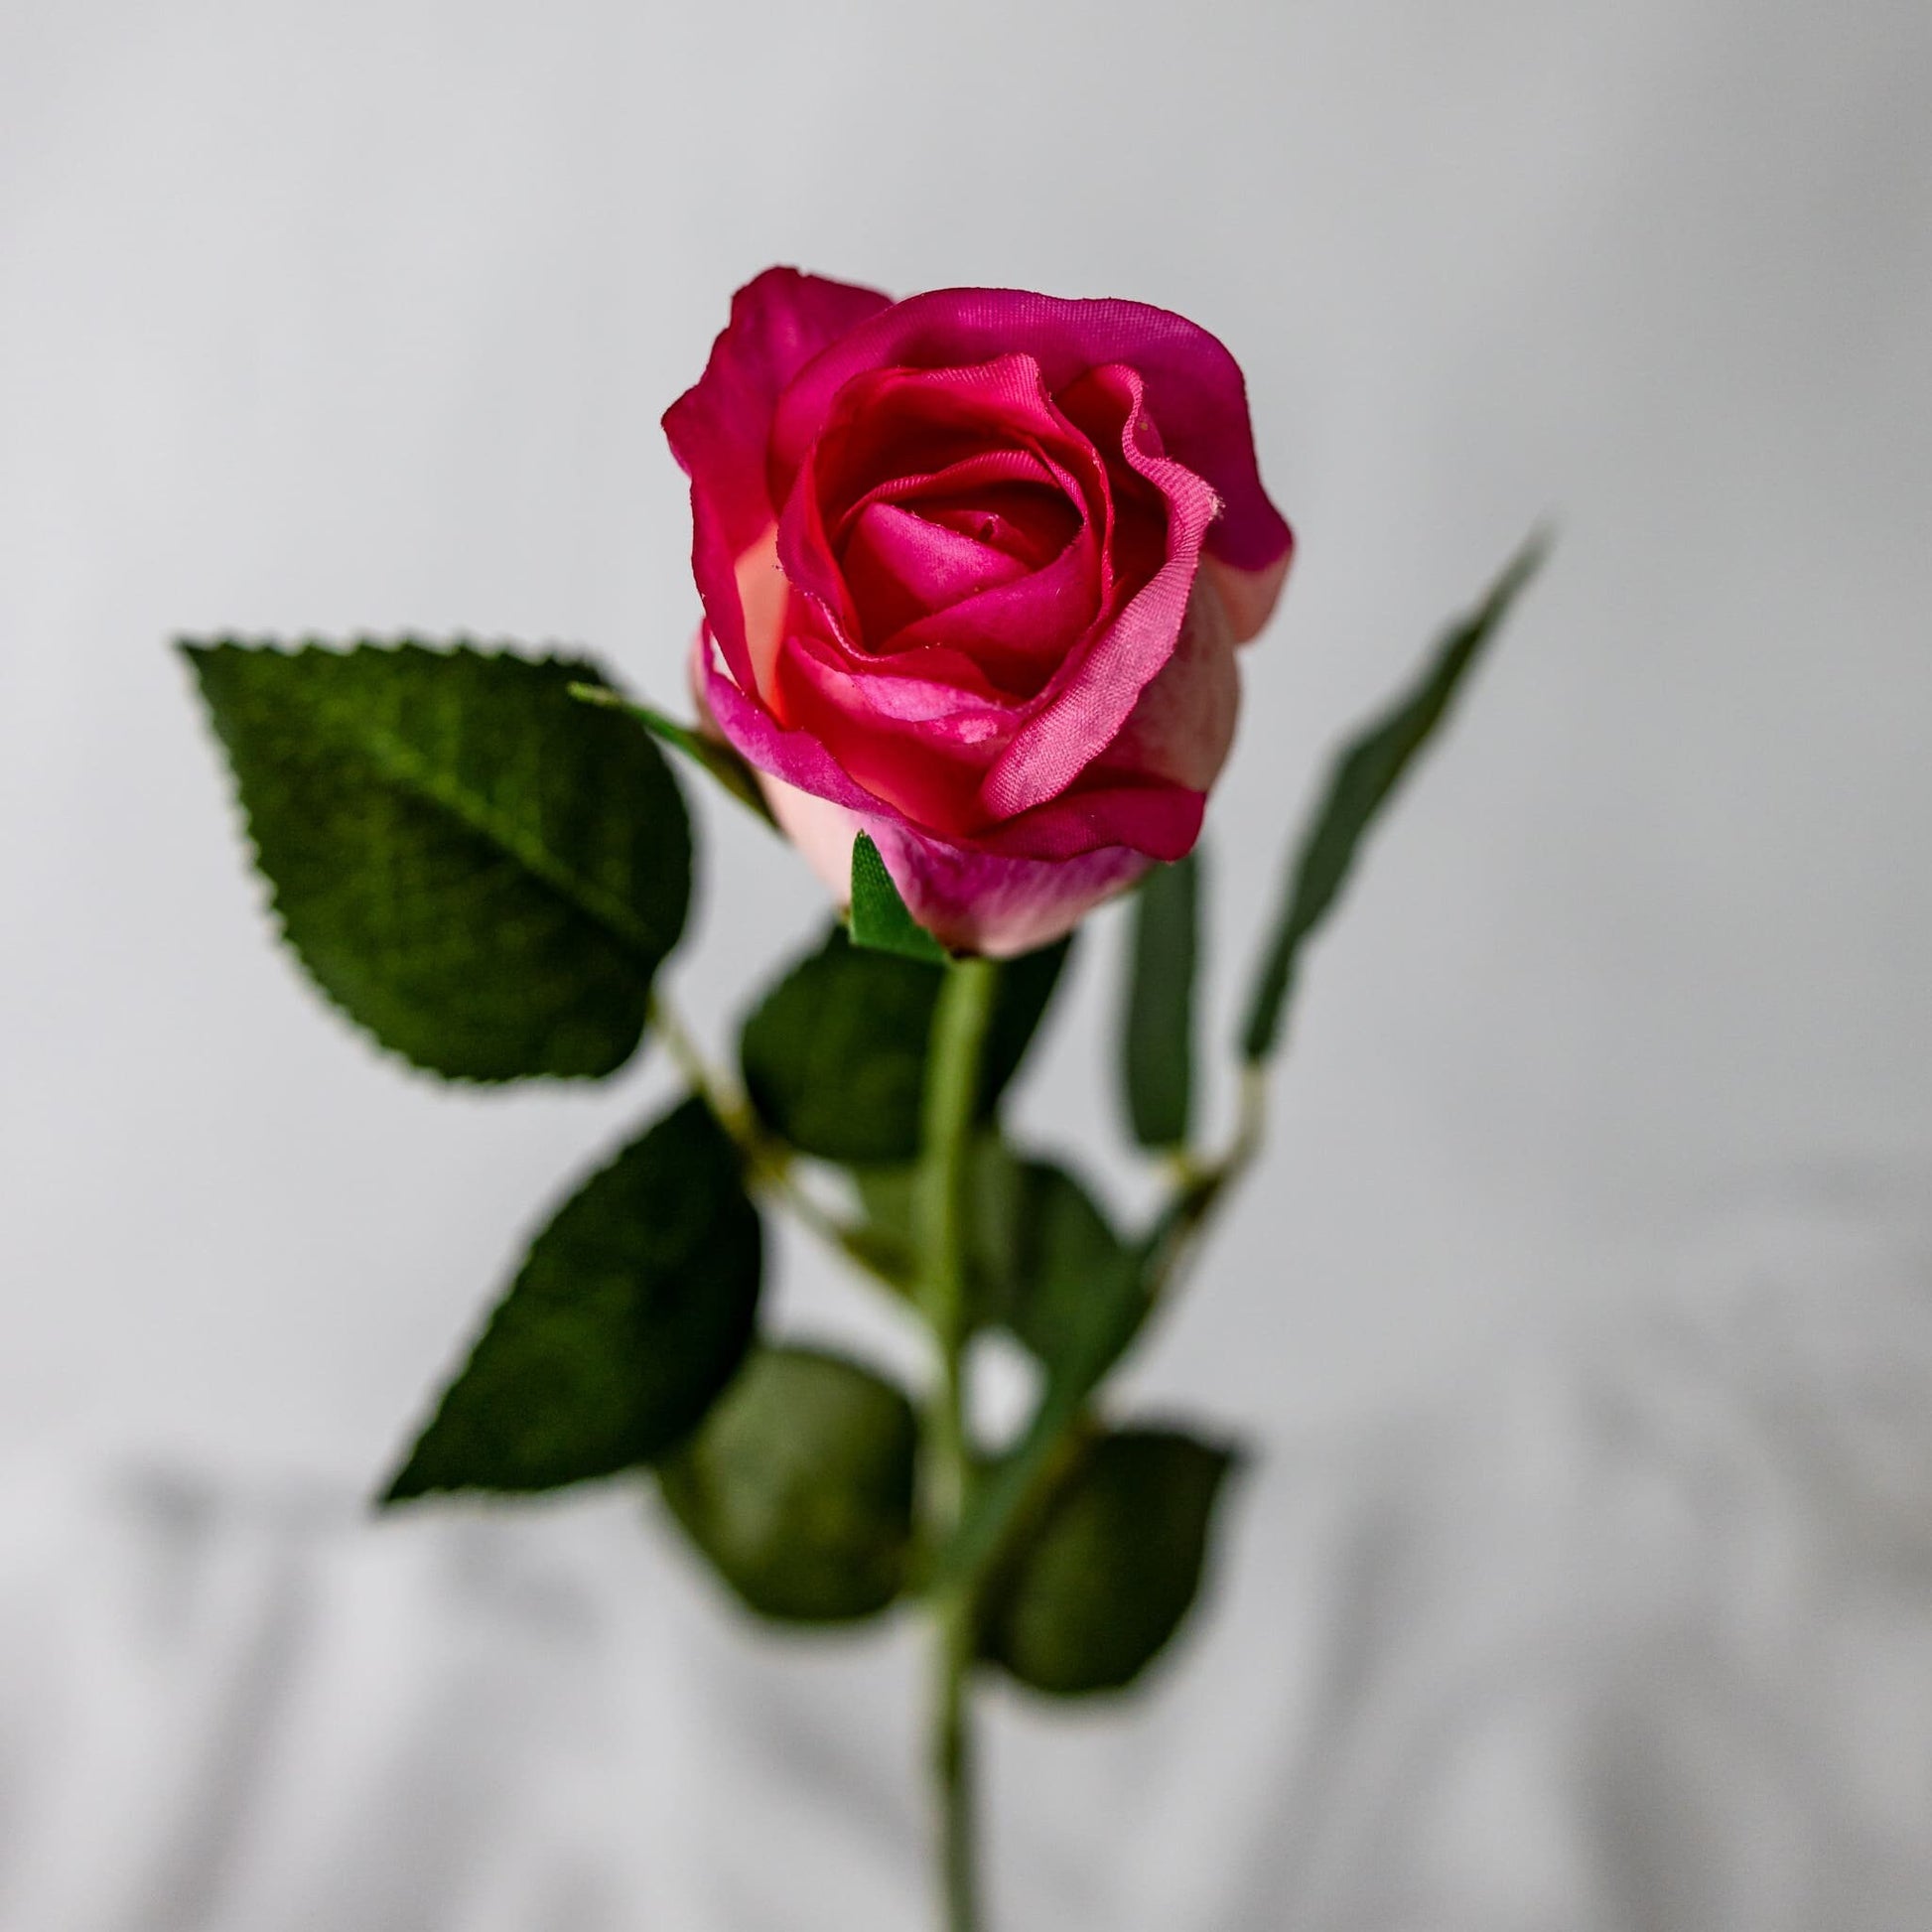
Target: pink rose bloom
974, 566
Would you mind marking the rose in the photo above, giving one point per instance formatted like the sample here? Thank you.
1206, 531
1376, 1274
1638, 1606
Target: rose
973, 566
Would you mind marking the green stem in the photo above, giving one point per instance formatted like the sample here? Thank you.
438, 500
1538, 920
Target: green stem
767, 1160
944, 1210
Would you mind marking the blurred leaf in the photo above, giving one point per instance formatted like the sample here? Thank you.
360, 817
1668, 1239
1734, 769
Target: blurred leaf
711, 755
1020, 1002
834, 1056
1080, 1310
879, 918
798, 1487
1000, 1232
1112, 1566
1360, 784
483, 872
631, 1310
1064, 1264
1158, 1027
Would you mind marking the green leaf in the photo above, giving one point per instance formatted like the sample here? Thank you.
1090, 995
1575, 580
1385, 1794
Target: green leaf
483, 872
1085, 1301
1158, 1028
798, 1487
879, 919
630, 1313
1112, 1566
1020, 1002
711, 755
834, 1056
1005, 1231
1064, 1262
1360, 784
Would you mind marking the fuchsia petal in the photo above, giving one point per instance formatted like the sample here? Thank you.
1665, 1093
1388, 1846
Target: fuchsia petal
719, 428
1156, 820
1105, 682
751, 729
902, 568
1194, 387
1183, 726
1018, 631
972, 902
976, 565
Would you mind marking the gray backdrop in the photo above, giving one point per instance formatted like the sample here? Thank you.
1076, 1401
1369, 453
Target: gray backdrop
362, 317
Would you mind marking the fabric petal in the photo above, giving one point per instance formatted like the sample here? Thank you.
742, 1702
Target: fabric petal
1181, 727
719, 429
899, 568
1102, 687
1157, 820
1194, 386
971, 902
1249, 594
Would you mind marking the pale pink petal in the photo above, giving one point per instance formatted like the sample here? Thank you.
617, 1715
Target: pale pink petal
1183, 725
1248, 594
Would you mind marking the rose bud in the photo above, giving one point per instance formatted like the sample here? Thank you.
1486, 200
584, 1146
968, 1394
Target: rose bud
974, 565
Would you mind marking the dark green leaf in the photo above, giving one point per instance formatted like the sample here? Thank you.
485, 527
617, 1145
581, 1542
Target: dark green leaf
711, 755
834, 1057
1064, 1261
1082, 1311
879, 919
798, 1487
890, 1233
630, 1313
1020, 1002
1112, 1567
480, 871
1360, 784
1158, 1028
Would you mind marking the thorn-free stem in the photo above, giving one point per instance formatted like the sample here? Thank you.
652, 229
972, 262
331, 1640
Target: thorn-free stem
943, 1203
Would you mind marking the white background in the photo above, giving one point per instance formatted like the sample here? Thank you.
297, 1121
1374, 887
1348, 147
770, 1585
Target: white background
338, 319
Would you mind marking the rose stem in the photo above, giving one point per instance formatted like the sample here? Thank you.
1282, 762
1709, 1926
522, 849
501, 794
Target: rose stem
944, 1202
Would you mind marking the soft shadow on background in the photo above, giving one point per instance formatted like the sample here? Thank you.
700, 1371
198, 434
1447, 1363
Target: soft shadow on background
1583, 1318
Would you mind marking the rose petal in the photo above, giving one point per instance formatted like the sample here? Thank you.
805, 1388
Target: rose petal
900, 568
719, 428
1158, 820
971, 902
1183, 725
1194, 387
1100, 687
1249, 594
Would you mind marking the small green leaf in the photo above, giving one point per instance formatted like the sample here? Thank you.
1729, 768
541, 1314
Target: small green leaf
798, 1487
1158, 1028
1066, 1261
1112, 1566
879, 919
1360, 784
711, 755
483, 872
1080, 1311
834, 1056
631, 1310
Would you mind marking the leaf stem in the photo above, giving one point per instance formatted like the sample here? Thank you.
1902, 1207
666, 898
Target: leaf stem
766, 1162
1201, 1187
943, 1208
